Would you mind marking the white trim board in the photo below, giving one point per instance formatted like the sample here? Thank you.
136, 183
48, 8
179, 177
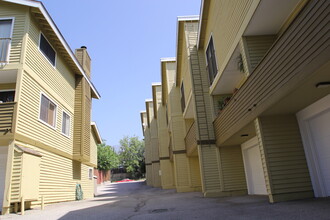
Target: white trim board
314, 110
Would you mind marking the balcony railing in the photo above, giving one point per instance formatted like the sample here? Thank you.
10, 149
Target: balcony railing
7, 112
4, 49
190, 140
283, 67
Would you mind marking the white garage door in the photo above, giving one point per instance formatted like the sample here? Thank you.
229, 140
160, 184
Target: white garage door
253, 168
3, 163
314, 122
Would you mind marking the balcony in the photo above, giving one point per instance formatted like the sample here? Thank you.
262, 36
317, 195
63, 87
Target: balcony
295, 56
190, 141
7, 112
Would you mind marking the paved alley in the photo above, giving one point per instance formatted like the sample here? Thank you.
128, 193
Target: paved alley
136, 201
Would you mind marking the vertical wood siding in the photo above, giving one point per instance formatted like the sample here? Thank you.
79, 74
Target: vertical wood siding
20, 14
16, 178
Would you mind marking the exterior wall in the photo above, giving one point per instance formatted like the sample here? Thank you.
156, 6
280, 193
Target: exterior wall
232, 170
195, 174
232, 17
207, 150
176, 122
28, 123
167, 175
283, 158
93, 145
148, 157
5, 86
20, 13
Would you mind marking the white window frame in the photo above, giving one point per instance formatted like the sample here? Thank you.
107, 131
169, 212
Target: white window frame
55, 112
216, 62
55, 63
66, 135
11, 36
90, 173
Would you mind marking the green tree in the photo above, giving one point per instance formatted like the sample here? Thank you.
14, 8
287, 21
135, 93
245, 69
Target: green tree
131, 155
107, 157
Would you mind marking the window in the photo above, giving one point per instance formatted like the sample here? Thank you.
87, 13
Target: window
7, 96
183, 101
47, 111
5, 39
66, 124
47, 49
211, 61
90, 173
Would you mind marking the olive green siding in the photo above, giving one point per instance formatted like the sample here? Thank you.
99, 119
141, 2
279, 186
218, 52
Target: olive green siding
283, 152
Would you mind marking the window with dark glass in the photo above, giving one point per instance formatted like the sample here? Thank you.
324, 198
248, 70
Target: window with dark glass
47, 49
211, 61
7, 96
183, 101
5, 39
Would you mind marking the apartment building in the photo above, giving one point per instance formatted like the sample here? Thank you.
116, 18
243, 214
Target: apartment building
45, 111
253, 79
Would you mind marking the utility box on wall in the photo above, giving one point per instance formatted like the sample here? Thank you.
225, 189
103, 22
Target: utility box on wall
25, 175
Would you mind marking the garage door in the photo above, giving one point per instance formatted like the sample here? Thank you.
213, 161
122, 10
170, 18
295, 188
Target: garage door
314, 122
3, 163
253, 168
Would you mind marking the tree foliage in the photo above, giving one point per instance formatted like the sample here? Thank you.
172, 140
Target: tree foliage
131, 155
107, 157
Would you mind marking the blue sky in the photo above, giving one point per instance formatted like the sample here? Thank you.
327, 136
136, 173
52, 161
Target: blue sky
125, 40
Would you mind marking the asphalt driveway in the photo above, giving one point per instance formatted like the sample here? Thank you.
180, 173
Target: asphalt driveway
136, 201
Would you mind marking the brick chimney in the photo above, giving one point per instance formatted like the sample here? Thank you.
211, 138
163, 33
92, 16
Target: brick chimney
84, 60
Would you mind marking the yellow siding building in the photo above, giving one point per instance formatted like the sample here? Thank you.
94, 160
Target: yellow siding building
45, 127
247, 100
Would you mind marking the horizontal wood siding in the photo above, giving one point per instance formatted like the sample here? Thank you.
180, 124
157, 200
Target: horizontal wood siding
163, 135
167, 176
87, 184
195, 173
28, 123
256, 48
7, 116
182, 170
229, 15
210, 172
93, 144
232, 168
156, 182
60, 79
190, 140
280, 70
20, 14
284, 155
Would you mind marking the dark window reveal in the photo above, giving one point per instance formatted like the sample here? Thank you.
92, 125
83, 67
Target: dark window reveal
211, 61
47, 49
7, 96
183, 101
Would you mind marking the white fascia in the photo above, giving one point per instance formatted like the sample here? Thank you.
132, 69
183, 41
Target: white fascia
156, 84
168, 59
149, 100
97, 130
40, 6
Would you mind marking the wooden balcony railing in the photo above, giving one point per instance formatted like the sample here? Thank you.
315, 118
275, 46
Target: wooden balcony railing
190, 140
303, 46
7, 112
